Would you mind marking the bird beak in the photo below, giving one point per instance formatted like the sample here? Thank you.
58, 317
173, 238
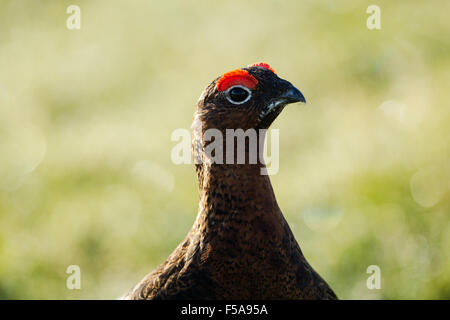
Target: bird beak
286, 94
292, 95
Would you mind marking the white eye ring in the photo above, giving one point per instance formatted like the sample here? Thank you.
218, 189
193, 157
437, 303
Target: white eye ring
227, 94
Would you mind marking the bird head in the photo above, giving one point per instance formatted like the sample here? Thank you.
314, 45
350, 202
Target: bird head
246, 98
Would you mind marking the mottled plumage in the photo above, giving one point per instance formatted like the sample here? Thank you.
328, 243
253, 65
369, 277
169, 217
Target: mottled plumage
240, 246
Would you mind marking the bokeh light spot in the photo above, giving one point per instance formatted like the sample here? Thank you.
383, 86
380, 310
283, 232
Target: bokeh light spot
322, 219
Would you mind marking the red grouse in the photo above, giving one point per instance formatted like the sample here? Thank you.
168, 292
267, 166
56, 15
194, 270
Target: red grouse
240, 246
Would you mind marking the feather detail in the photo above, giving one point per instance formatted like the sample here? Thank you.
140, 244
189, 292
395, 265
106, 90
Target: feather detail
263, 65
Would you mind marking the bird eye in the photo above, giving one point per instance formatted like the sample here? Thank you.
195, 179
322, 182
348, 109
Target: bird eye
238, 94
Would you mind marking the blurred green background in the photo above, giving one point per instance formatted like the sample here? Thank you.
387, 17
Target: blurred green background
86, 117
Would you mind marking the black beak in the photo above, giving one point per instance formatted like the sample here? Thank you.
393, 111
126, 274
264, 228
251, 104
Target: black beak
285, 93
292, 95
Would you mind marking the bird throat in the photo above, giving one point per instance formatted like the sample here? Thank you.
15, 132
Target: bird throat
232, 192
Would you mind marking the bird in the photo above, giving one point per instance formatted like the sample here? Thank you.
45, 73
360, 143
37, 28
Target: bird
240, 246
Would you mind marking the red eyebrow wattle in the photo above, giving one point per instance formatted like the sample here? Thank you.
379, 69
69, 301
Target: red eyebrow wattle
236, 77
262, 64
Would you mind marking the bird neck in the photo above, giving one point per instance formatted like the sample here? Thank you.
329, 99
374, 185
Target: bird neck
234, 185
232, 189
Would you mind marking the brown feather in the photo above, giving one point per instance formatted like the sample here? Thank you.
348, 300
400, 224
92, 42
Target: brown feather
240, 246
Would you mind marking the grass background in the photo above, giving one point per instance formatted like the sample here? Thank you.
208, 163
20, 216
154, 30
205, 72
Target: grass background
86, 117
